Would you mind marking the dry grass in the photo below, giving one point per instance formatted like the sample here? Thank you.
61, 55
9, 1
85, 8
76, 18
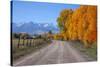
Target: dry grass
24, 49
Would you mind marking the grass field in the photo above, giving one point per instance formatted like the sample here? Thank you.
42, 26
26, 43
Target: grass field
25, 49
91, 52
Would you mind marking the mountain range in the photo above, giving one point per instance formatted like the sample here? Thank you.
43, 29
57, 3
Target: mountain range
34, 28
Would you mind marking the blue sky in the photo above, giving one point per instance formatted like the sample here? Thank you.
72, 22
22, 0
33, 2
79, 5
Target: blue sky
38, 12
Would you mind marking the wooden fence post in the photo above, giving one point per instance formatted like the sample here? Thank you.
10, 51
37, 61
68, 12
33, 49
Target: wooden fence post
18, 42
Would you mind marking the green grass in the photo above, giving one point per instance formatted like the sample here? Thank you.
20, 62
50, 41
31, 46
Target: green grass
91, 52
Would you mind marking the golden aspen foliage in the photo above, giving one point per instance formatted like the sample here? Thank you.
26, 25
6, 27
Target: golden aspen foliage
86, 24
79, 24
90, 34
64, 16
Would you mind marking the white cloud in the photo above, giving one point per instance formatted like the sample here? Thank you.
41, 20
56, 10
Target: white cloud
45, 25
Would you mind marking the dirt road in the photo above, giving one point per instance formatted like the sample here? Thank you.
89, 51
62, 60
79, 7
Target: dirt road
56, 52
